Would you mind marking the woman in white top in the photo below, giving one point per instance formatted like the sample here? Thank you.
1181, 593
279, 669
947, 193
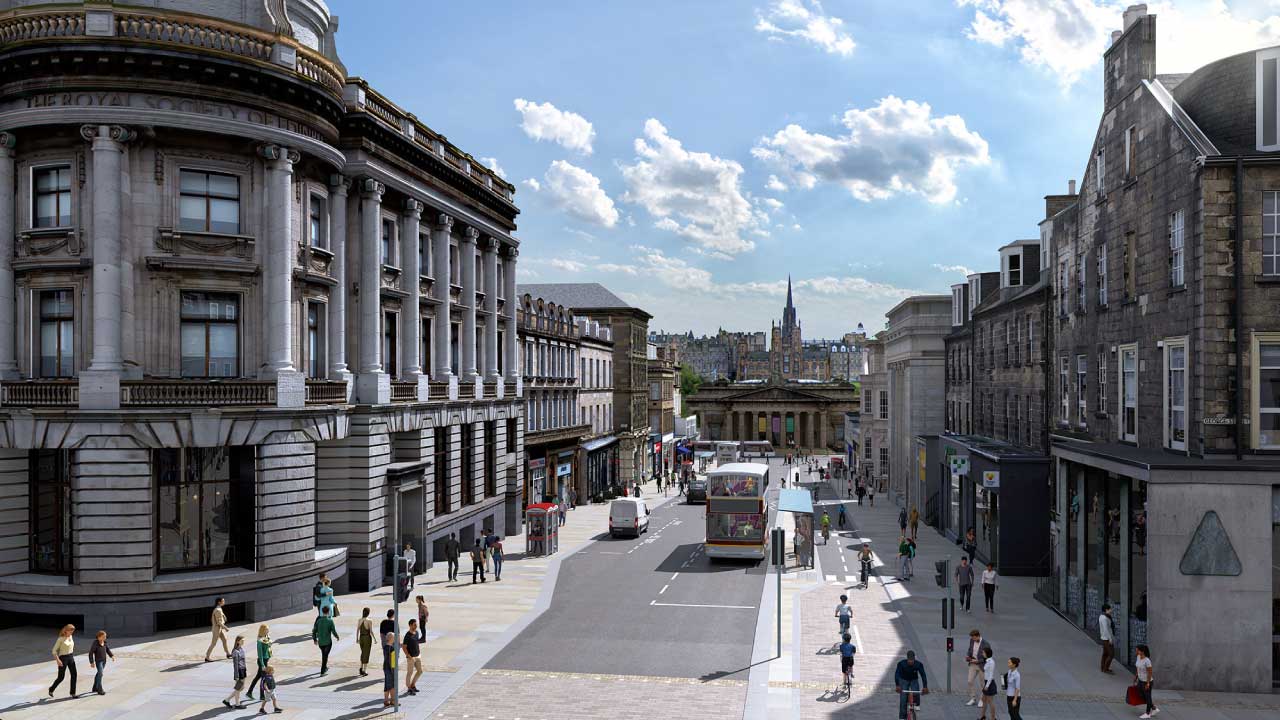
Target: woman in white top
1013, 689
988, 685
1144, 678
989, 587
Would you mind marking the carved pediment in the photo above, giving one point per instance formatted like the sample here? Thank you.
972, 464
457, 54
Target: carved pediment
778, 394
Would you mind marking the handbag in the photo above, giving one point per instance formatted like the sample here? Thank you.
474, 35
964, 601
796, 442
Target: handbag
1133, 696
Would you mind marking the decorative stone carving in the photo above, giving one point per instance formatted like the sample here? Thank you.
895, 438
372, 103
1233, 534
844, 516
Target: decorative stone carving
175, 242
489, 243
1210, 551
278, 152
512, 251
470, 235
444, 223
8, 141
390, 277
35, 243
370, 187
413, 208
118, 133
339, 183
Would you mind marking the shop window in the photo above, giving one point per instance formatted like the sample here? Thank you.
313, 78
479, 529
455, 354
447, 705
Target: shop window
208, 202
51, 197
468, 464
57, 333
210, 334
50, 516
444, 504
204, 507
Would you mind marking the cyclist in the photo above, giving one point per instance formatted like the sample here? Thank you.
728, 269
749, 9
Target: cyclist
865, 557
841, 516
847, 649
826, 527
908, 679
845, 613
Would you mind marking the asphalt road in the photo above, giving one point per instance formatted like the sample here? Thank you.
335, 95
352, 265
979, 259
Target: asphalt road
649, 606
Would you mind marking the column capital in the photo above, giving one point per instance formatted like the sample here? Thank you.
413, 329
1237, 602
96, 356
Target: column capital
117, 133
339, 184
489, 243
268, 151
371, 189
444, 223
8, 141
470, 235
512, 252
413, 208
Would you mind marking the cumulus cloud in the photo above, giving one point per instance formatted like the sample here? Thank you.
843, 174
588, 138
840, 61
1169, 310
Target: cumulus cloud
547, 122
532, 184
773, 204
492, 164
896, 147
1067, 37
567, 265
775, 184
577, 192
807, 21
953, 269
693, 194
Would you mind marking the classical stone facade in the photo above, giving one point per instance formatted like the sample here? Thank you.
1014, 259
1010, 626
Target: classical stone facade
915, 366
809, 415
874, 464
188, 262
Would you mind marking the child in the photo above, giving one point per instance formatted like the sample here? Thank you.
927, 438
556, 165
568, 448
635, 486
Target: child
98, 654
238, 674
269, 690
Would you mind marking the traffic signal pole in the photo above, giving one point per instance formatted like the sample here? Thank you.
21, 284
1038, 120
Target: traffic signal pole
943, 579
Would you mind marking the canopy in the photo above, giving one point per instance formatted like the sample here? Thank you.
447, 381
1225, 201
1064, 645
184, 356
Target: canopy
795, 501
704, 454
598, 443
683, 449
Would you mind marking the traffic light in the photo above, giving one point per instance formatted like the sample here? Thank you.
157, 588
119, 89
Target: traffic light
940, 567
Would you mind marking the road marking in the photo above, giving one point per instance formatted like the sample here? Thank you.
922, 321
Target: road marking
673, 577
664, 589
724, 607
609, 552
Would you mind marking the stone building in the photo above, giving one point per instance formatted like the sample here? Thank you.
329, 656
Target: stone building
188, 258
915, 367
786, 346
664, 378
874, 421
809, 415
598, 460
550, 346
1167, 280
629, 327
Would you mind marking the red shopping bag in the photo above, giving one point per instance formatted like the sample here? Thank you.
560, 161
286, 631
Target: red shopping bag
1133, 696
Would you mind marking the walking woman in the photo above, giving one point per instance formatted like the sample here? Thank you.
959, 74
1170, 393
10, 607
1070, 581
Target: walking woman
264, 656
1013, 689
989, 587
1144, 678
388, 669
497, 558
364, 637
326, 599
99, 651
64, 653
988, 685
239, 673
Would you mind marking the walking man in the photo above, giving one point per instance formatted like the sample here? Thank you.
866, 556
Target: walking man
904, 558
914, 521
975, 657
219, 623
477, 562
452, 548
964, 582
861, 493
902, 521
1106, 631
323, 633
411, 560
413, 659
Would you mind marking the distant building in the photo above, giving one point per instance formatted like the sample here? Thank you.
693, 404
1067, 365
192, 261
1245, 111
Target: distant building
599, 455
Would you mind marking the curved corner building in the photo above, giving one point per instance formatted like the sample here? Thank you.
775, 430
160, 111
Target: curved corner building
254, 317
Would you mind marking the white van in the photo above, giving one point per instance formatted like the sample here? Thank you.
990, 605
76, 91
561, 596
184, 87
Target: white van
628, 516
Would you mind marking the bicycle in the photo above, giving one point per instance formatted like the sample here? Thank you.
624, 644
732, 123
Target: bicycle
866, 570
913, 702
826, 534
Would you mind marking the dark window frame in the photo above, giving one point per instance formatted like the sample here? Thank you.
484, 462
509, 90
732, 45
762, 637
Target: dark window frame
208, 323
59, 194
209, 197
57, 320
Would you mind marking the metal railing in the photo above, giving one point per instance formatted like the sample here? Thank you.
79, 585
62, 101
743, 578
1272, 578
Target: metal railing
168, 393
41, 393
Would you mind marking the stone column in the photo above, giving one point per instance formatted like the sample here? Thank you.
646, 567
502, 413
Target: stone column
411, 313
100, 384
822, 430
512, 364
373, 385
277, 273
8, 304
441, 238
467, 336
490, 255
337, 317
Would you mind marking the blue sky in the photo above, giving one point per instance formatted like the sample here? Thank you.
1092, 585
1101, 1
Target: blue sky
689, 155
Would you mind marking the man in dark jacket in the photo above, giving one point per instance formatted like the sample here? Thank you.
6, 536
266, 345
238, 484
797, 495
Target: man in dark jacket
909, 676
452, 549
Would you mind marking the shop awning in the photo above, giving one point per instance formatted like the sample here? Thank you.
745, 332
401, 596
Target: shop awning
795, 501
683, 450
598, 443
704, 454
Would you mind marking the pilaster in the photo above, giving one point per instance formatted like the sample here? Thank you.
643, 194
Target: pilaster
411, 313
490, 255
8, 304
511, 366
277, 277
338, 186
467, 337
373, 386
441, 238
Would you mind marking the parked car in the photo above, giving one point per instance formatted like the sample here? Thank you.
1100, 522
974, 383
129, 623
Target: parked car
697, 490
628, 516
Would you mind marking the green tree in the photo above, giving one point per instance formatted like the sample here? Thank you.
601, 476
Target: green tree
690, 381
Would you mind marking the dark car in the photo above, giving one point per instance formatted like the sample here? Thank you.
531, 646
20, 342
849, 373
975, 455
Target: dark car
697, 490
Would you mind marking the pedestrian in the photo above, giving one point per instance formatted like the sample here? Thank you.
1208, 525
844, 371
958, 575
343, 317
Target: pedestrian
64, 654
989, 580
657, 479
563, 513
423, 614
317, 591
974, 656
964, 582
904, 559
911, 559
388, 668
488, 541
269, 691
239, 674
99, 651
452, 549
323, 633
364, 638
970, 546
861, 493
411, 562
902, 521
497, 559
637, 490
913, 520
989, 688
1144, 678
477, 562
1107, 633
871, 494
412, 659
327, 602
263, 648
1013, 689
219, 623
573, 498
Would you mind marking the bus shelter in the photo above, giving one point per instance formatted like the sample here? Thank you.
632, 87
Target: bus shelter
800, 505
542, 529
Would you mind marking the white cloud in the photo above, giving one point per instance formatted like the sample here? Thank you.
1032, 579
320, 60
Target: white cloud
584, 235
1068, 37
492, 164
532, 184
806, 20
775, 184
953, 269
693, 194
567, 265
547, 122
578, 193
796, 227
773, 204
896, 147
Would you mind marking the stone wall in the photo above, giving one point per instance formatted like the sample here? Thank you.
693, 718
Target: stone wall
286, 495
15, 508
111, 497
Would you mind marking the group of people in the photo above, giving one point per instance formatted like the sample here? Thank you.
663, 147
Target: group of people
980, 662
485, 554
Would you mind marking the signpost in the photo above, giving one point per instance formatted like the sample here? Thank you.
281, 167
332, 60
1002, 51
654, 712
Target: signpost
778, 541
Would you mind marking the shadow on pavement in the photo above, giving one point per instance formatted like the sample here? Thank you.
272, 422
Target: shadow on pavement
674, 562
371, 711
722, 674
358, 685
180, 668
294, 638
36, 703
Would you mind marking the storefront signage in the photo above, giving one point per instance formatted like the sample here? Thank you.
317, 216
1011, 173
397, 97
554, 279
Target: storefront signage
536, 464
1222, 420
959, 464
564, 469
991, 479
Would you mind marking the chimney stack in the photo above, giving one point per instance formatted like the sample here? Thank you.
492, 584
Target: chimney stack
1115, 35
1133, 14
1071, 187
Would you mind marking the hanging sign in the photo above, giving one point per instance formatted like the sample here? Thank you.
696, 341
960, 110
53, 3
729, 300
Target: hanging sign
991, 479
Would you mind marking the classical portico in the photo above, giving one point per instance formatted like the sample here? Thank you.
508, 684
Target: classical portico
801, 415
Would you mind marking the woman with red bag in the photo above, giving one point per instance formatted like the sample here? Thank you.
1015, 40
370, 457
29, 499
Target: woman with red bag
1144, 679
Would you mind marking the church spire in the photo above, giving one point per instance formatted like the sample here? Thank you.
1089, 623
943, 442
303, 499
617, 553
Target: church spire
789, 312
789, 305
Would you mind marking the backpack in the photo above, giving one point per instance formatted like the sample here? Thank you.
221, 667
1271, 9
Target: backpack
315, 594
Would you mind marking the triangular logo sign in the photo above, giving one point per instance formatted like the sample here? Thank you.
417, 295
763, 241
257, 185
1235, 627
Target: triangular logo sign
1210, 551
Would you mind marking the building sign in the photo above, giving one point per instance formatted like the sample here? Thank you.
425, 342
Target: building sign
1222, 420
564, 469
537, 464
991, 479
791, 423
959, 464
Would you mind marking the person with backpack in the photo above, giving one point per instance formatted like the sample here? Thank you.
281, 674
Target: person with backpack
902, 522
452, 549
477, 562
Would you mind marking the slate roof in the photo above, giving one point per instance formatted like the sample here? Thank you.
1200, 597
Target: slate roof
574, 295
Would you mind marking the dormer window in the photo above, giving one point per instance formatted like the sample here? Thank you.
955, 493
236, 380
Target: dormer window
1267, 121
1015, 270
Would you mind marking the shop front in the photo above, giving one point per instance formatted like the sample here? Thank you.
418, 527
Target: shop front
1000, 493
599, 463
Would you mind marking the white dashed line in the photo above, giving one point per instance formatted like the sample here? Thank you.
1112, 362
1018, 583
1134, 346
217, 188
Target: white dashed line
664, 589
725, 607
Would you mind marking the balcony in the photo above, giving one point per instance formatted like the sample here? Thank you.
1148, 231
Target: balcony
180, 393
404, 391
326, 392
41, 393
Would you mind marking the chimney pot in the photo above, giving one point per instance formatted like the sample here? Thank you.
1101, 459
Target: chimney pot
1115, 35
1133, 14
1071, 187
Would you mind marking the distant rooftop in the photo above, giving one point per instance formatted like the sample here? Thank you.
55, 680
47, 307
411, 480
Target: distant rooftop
574, 295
